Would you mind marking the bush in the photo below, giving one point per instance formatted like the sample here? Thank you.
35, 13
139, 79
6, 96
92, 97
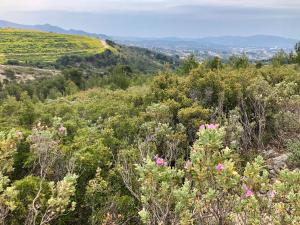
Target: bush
213, 188
9, 73
294, 148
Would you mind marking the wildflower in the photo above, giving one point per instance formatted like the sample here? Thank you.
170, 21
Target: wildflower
272, 194
209, 127
248, 192
212, 126
62, 130
202, 127
160, 161
220, 167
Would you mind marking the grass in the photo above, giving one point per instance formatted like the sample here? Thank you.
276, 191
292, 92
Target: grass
33, 46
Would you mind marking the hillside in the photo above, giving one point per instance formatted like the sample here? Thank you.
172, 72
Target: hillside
50, 28
44, 49
32, 46
21, 73
138, 59
184, 141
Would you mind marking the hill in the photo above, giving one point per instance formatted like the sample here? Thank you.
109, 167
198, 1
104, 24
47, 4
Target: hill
44, 49
35, 46
138, 59
50, 28
223, 136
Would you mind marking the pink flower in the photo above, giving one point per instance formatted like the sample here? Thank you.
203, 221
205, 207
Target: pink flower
220, 167
212, 126
202, 127
62, 130
248, 192
209, 126
272, 194
160, 161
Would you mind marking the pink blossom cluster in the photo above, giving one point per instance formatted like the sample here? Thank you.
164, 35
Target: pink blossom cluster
209, 126
248, 192
160, 161
220, 167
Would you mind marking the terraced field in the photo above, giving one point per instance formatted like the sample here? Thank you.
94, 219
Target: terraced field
27, 45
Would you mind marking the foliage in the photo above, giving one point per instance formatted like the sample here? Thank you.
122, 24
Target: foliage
215, 190
85, 147
294, 149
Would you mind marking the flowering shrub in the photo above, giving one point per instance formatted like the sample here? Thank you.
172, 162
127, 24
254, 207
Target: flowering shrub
159, 187
160, 161
34, 199
214, 188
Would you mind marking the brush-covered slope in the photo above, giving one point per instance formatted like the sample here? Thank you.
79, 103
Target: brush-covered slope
35, 46
138, 59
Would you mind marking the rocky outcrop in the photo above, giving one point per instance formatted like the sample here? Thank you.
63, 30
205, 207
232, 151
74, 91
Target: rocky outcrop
276, 161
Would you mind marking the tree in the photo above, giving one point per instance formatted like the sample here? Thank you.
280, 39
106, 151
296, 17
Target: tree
297, 49
188, 64
214, 63
280, 58
74, 75
239, 62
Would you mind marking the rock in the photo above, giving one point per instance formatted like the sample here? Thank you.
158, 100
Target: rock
280, 162
270, 153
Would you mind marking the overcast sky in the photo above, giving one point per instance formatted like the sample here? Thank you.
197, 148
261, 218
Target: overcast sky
161, 18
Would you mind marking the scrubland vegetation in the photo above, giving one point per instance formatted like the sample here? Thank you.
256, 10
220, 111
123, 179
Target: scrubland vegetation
209, 143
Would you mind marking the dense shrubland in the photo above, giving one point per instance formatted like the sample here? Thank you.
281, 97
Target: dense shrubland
183, 147
139, 59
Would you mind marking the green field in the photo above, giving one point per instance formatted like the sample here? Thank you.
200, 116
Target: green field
33, 46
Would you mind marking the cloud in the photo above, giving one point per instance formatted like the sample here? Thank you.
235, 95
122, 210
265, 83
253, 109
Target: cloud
135, 5
190, 18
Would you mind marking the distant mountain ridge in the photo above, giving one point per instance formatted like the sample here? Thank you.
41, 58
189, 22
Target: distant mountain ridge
51, 28
256, 47
259, 41
252, 41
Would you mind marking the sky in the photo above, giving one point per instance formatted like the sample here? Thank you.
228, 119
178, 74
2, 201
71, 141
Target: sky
161, 18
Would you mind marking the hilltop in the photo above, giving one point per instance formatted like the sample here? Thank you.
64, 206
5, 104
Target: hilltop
50, 28
47, 49
27, 46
